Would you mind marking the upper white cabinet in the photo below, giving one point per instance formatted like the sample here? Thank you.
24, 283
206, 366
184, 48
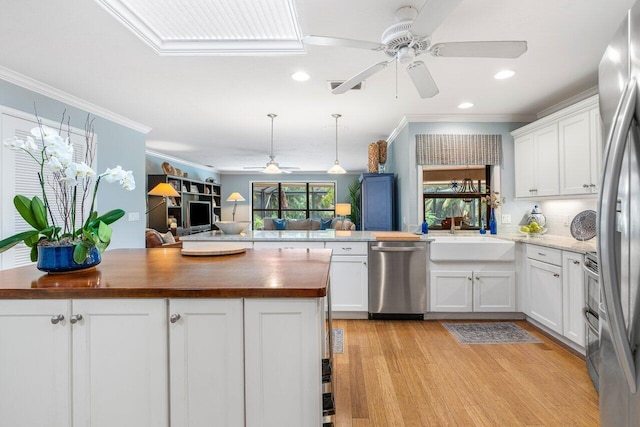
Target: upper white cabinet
559, 154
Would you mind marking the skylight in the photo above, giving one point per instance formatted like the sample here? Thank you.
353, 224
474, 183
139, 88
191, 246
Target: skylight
208, 27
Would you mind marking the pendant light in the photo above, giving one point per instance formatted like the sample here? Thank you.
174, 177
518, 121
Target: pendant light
336, 168
272, 166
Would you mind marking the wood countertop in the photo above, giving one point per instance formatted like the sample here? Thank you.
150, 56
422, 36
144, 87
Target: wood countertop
166, 273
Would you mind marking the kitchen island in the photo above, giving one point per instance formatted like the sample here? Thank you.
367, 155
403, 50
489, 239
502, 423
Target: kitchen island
154, 338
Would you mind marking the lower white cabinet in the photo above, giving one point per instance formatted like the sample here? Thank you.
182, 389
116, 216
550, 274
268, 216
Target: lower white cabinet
113, 351
283, 359
573, 281
467, 291
206, 368
544, 283
349, 283
35, 363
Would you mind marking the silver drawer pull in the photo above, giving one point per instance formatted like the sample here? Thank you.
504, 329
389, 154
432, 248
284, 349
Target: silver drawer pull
469, 278
541, 254
57, 319
585, 185
576, 262
174, 318
75, 318
556, 275
346, 249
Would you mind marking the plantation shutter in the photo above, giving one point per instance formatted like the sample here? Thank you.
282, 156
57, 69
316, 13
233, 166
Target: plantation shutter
458, 150
20, 176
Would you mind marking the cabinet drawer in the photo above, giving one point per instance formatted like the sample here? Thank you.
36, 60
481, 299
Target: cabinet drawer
347, 248
288, 245
548, 255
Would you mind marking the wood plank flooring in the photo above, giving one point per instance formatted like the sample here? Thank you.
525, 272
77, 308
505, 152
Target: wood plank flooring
414, 373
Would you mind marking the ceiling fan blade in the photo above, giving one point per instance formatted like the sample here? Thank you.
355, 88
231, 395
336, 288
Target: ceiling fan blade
431, 15
344, 87
422, 79
337, 41
498, 49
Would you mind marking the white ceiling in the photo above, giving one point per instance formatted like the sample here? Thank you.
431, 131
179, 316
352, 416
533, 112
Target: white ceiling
213, 109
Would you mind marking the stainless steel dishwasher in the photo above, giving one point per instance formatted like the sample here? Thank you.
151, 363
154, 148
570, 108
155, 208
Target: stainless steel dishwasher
397, 279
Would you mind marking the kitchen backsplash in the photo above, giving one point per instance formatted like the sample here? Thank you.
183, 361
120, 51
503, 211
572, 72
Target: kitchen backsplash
560, 213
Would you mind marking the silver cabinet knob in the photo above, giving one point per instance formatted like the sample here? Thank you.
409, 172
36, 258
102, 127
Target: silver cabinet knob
469, 278
556, 275
75, 318
174, 318
57, 319
576, 262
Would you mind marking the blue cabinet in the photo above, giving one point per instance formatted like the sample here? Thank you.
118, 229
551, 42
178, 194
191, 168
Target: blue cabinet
378, 201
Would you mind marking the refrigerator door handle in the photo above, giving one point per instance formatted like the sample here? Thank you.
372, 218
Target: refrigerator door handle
607, 200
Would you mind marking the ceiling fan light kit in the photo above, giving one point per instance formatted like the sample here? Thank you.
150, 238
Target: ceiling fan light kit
410, 36
272, 166
336, 168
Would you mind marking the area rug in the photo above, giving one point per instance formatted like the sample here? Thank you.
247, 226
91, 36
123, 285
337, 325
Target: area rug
490, 333
338, 341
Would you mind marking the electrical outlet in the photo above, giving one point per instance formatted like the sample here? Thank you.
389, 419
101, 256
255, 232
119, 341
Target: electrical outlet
134, 216
506, 218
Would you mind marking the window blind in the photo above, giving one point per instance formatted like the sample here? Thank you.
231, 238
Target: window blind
459, 150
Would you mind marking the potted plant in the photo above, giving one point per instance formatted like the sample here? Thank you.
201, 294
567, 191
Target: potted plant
58, 219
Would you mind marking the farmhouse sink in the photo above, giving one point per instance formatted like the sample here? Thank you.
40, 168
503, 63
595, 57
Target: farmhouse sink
471, 248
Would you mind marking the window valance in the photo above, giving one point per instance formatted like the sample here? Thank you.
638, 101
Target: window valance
458, 149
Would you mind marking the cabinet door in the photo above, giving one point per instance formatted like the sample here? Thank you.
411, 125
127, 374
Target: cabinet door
547, 170
206, 364
494, 291
288, 245
545, 294
524, 158
35, 357
283, 344
451, 291
120, 363
349, 283
596, 149
573, 297
377, 202
575, 154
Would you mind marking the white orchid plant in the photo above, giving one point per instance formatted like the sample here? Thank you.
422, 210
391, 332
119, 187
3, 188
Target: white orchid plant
71, 182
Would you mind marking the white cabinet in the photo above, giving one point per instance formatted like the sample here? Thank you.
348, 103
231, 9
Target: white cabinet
467, 290
559, 154
93, 362
283, 359
119, 366
288, 245
35, 357
544, 282
580, 153
536, 163
206, 368
573, 281
349, 276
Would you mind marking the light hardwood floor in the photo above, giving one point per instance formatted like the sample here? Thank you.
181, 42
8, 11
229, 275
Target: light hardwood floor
414, 373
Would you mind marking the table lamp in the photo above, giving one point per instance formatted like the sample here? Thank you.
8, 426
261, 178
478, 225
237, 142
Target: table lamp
163, 190
235, 198
343, 209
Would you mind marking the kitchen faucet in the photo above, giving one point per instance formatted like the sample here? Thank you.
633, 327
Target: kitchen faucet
453, 218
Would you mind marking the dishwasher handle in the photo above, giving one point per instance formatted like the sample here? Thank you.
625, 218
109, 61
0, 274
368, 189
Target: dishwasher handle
397, 249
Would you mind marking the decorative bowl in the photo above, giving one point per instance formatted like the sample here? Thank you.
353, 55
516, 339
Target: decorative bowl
538, 234
231, 227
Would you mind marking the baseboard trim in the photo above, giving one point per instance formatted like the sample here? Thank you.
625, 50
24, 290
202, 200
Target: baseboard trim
574, 348
474, 316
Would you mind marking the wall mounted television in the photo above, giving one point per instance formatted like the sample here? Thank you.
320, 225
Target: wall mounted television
199, 215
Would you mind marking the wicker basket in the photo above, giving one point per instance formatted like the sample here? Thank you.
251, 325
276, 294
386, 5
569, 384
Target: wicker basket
373, 157
382, 151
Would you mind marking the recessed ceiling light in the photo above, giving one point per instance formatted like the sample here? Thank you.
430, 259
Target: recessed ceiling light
504, 74
465, 105
300, 76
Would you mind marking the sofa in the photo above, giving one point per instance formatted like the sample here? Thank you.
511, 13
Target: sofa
308, 224
155, 239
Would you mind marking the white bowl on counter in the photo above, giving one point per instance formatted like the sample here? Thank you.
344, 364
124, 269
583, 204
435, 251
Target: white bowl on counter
231, 227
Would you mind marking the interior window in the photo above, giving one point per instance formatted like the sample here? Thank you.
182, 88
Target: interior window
456, 191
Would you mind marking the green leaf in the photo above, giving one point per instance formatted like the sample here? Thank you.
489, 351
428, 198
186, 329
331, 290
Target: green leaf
90, 237
31, 241
102, 246
110, 217
10, 242
104, 232
80, 254
34, 253
23, 206
91, 218
39, 213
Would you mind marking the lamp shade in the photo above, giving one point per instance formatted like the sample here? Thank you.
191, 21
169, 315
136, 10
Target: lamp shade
163, 189
235, 197
343, 209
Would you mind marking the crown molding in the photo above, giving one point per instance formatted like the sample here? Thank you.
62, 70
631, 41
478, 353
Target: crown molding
183, 161
568, 102
458, 118
49, 91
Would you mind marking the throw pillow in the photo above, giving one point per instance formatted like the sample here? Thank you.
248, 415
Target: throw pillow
279, 224
167, 237
325, 224
301, 224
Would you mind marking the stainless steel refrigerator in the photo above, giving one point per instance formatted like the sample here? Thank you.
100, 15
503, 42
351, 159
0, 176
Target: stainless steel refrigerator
619, 227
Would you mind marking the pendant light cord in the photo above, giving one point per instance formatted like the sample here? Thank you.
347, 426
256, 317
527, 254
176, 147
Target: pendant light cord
273, 116
337, 116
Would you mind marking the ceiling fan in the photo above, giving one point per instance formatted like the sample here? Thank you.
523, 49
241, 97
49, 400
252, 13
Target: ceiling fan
410, 36
272, 166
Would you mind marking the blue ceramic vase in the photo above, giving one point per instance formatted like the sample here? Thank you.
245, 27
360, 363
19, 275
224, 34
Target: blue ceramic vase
59, 259
493, 225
